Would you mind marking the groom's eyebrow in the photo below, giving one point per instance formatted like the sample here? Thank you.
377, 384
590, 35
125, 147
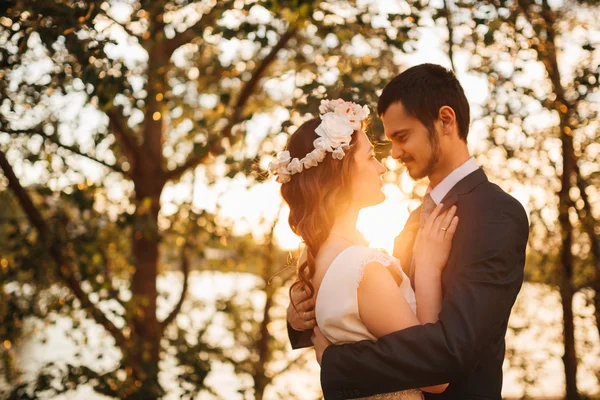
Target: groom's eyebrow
398, 132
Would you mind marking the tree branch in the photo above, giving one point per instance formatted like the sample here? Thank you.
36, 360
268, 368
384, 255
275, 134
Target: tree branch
168, 46
589, 222
450, 32
123, 135
192, 161
185, 268
257, 75
117, 23
292, 363
65, 269
238, 107
57, 142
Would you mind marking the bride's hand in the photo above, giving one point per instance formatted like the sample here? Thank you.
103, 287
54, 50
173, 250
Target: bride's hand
434, 240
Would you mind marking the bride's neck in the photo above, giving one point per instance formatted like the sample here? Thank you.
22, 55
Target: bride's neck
346, 224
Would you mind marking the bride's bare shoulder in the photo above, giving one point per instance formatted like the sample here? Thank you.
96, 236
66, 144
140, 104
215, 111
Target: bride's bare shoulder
326, 256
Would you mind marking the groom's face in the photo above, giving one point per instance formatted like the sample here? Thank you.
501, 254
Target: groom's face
412, 143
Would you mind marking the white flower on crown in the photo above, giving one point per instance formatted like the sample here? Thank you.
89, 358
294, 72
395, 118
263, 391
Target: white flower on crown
283, 159
283, 176
313, 158
279, 167
295, 166
338, 153
335, 130
320, 154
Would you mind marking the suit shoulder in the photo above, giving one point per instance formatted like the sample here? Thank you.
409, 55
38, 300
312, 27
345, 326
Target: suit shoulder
491, 197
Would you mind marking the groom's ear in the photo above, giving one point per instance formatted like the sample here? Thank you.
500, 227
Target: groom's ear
447, 119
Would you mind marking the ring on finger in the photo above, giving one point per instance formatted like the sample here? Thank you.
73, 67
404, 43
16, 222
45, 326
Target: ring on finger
444, 229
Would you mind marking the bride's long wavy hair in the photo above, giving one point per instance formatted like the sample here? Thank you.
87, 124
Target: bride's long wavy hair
315, 197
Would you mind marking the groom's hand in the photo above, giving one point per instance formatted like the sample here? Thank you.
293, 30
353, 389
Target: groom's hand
302, 317
320, 342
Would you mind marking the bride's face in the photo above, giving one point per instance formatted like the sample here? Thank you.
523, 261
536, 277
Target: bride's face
366, 175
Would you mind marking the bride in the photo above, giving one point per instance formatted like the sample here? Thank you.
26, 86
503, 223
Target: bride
328, 174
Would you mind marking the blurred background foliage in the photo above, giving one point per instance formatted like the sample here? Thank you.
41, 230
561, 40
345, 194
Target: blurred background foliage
124, 124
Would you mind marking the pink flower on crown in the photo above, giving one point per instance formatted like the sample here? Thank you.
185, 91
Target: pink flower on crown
353, 112
329, 105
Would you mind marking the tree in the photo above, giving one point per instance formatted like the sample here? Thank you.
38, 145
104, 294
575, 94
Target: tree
185, 101
542, 113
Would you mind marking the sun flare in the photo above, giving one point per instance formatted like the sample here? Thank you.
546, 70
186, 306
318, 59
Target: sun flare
380, 224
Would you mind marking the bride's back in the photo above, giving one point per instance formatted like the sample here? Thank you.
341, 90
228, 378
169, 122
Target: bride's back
328, 252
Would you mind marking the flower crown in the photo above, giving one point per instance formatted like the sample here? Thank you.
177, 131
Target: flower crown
339, 120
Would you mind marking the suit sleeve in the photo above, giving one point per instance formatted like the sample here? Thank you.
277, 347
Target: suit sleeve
482, 293
299, 339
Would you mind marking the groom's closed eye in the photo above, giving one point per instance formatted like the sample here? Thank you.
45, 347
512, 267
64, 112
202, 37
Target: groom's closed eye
400, 135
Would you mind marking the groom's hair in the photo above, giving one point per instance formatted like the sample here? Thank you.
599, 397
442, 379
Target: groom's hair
423, 90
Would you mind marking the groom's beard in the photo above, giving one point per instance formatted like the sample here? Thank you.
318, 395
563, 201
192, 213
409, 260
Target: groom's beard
433, 159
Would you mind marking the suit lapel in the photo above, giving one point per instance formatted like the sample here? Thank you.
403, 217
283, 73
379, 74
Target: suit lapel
407, 236
463, 186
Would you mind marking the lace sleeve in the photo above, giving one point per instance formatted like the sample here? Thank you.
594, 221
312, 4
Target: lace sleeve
375, 256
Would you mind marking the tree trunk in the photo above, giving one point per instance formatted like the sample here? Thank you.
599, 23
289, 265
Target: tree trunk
566, 274
149, 180
263, 343
146, 328
547, 55
261, 380
570, 356
264, 354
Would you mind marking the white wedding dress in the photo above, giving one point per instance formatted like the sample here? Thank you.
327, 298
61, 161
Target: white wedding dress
336, 305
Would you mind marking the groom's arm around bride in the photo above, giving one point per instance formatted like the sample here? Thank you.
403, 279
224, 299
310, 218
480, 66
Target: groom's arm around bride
466, 346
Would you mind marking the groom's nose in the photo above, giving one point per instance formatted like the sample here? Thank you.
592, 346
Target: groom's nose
397, 152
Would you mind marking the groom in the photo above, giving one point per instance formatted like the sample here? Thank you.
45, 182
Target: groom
426, 117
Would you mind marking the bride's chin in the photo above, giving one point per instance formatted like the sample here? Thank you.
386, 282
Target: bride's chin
380, 199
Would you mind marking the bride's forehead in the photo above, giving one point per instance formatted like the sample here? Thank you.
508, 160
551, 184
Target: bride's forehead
362, 140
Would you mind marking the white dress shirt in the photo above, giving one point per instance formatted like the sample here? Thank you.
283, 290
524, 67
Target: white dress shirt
441, 190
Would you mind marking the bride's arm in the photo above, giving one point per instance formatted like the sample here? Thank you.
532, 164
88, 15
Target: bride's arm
432, 249
434, 243
383, 308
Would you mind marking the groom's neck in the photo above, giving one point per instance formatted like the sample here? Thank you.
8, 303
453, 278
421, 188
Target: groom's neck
446, 165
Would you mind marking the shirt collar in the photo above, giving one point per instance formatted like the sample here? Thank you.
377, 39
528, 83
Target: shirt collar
441, 190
